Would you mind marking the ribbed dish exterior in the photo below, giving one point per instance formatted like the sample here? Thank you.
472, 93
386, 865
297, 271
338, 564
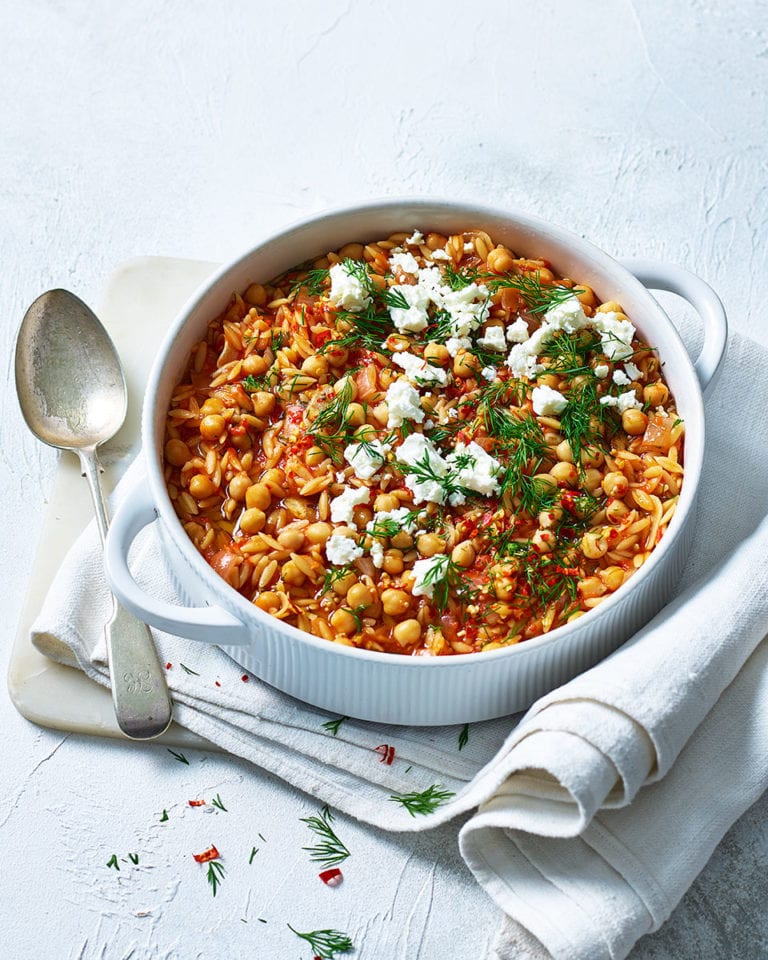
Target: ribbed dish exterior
461, 689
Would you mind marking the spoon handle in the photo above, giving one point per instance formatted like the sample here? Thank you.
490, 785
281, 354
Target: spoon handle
139, 691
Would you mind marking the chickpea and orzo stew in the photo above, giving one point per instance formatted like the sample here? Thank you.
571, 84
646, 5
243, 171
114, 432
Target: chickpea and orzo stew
425, 445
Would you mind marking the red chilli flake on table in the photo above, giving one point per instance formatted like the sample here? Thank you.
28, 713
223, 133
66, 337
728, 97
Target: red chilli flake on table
210, 854
245, 678
196, 803
332, 877
387, 753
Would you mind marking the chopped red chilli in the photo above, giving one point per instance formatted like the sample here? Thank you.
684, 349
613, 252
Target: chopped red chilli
332, 877
387, 753
196, 803
244, 678
210, 854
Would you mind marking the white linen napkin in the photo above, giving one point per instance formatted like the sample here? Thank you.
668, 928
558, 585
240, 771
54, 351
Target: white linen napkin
580, 858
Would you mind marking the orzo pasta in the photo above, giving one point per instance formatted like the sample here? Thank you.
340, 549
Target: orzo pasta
426, 445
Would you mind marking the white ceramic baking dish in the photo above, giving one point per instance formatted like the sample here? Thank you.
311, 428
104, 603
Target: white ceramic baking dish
386, 687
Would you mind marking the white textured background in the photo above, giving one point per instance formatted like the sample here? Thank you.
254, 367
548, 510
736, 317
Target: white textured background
192, 129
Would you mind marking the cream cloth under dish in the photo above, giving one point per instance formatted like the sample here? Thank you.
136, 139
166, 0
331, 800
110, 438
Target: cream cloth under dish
598, 808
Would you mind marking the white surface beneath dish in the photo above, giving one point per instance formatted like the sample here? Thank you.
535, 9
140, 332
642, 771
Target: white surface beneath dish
139, 302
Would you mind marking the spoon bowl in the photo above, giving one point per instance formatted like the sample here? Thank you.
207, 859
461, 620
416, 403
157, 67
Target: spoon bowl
73, 396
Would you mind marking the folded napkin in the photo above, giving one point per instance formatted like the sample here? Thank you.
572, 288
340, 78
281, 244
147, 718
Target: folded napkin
596, 810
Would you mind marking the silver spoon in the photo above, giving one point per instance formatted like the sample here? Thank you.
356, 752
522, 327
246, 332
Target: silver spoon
73, 396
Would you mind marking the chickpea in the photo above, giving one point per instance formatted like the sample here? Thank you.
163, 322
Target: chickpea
586, 295
610, 306
292, 574
545, 275
345, 383
407, 632
318, 532
544, 480
201, 486
594, 544
395, 602
314, 456
616, 510
263, 403
365, 432
385, 502
429, 544
401, 540
591, 587
176, 452
268, 601
592, 457
437, 353
362, 516
254, 365
351, 251
393, 562
615, 484
503, 588
355, 415
212, 426
564, 452
252, 520
342, 621
565, 473
342, 585
211, 405
257, 495
238, 486
315, 366
548, 380
591, 480
634, 422
381, 413
655, 394
463, 554
256, 295
337, 356
291, 539
465, 365
612, 577
359, 595
500, 260
548, 518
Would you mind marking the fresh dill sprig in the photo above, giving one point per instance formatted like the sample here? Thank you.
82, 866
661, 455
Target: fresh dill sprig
424, 472
215, 875
313, 282
218, 803
568, 353
134, 858
581, 417
333, 576
331, 420
464, 736
326, 944
462, 277
447, 579
187, 669
254, 851
425, 802
164, 817
329, 851
112, 862
265, 382
538, 297
332, 726
178, 756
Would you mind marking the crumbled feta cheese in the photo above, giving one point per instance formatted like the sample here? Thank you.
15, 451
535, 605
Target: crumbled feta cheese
479, 474
493, 339
489, 373
568, 316
548, 402
377, 554
417, 450
615, 335
341, 550
347, 291
609, 401
343, 505
620, 378
421, 572
441, 254
628, 401
602, 370
416, 238
633, 371
454, 344
403, 403
367, 458
418, 370
398, 515
413, 318
517, 332
405, 262
468, 307
523, 363
469, 246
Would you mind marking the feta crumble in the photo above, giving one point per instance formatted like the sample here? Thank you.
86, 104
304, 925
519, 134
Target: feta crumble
342, 507
347, 291
441, 254
418, 370
602, 370
479, 475
366, 459
548, 402
403, 403
405, 262
341, 550
489, 373
620, 378
517, 332
413, 318
377, 554
417, 450
633, 371
416, 238
568, 315
493, 339
615, 335
421, 572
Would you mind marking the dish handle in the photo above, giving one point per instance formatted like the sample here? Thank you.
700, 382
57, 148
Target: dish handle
658, 275
208, 624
